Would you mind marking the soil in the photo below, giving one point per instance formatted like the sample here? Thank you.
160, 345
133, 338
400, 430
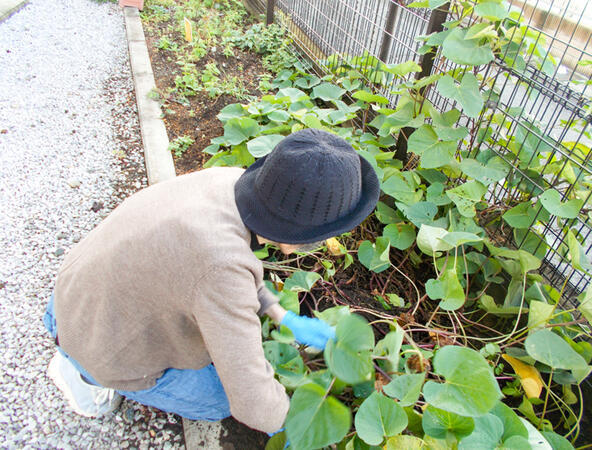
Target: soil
236, 436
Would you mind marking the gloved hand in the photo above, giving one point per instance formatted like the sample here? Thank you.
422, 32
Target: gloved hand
308, 330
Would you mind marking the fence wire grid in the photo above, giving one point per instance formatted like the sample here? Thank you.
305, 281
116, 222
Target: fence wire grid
541, 103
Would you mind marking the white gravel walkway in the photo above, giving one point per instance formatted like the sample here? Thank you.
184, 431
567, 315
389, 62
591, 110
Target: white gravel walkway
70, 150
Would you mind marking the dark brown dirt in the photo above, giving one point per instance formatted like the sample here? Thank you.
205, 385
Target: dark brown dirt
236, 436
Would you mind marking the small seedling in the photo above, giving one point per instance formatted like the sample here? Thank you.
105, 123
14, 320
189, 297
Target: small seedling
164, 43
180, 145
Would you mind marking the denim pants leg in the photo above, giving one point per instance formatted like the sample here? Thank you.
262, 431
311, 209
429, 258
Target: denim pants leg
193, 394
50, 323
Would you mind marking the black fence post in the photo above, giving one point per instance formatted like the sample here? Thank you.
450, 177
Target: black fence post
270, 9
387, 35
435, 25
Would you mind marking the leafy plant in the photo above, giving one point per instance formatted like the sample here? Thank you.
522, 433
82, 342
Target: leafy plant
164, 43
180, 145
435, 213
269, 41
457, 318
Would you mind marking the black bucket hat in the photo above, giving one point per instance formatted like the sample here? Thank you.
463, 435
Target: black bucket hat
311, 187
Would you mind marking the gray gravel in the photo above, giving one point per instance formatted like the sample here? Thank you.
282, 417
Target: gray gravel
70, 151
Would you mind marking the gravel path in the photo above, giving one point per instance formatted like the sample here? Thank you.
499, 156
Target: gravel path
70, 150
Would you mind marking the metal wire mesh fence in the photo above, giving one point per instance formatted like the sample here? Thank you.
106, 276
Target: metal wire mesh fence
545, 108
537, 115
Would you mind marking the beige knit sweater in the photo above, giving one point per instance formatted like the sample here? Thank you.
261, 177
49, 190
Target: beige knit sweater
168, 280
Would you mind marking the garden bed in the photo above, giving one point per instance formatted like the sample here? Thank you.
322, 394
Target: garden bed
426, 271
225, 74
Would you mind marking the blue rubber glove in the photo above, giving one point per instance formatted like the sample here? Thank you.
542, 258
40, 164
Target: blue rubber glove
276, 432
308, 330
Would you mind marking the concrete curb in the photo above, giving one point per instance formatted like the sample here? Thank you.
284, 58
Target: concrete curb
159, 167
9, 7
159, 162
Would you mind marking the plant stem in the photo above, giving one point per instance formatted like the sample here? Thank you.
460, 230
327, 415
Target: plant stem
461, 328
577, 424
519, 312
329, 388
546, 399
382, 372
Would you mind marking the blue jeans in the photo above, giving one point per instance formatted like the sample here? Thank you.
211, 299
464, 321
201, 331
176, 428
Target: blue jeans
194, 394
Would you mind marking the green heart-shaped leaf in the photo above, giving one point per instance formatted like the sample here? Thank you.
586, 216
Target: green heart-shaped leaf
369, 97
232, 111
520, 216
375, 256
315, 419
389, 347
557, 442
263, 145
433, 152
238, 130
402, 69
279, 116
577, 254
465, 51
467, 93
419, 213
294, 95
586, 304
328, 92
429, 240
307, 82
400, 235
552, 350
435, 194
439, 423
447, 288
466, 196
348, 356
488, 432
567, 210
400, 188
406, 388
491, 10
512, 424
493, 171
301, 281
379, 417
469, 389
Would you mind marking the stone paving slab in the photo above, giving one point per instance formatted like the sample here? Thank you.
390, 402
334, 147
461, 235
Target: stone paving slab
8, 7
201, 434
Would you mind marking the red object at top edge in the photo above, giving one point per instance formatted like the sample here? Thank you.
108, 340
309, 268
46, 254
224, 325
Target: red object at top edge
135, 3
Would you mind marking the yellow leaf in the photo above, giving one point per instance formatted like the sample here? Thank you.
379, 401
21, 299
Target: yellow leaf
530, 377
334, 247
278, 284
188, 30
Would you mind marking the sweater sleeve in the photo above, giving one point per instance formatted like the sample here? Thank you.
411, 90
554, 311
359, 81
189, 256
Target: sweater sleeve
266, 299
226, 313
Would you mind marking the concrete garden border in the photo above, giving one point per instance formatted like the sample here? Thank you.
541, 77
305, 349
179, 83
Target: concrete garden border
159, 161
9, 7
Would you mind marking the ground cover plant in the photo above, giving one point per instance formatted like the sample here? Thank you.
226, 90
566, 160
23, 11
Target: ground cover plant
444, 338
